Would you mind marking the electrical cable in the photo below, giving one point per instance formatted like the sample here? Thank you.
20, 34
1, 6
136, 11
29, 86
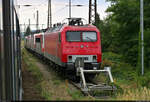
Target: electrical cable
59, 10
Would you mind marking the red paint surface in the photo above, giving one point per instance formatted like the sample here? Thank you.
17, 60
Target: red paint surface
53, 47
63, 49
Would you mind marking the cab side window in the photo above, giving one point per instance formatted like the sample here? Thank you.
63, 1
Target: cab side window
38, 40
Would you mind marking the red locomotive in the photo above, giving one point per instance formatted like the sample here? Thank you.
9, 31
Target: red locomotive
63, 44
75, 48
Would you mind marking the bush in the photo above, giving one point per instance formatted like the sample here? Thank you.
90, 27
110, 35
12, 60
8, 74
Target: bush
144, 80
120, 70
125, 72
115, 58
106, 63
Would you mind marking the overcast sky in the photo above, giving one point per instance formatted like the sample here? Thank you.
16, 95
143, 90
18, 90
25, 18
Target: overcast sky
59, 10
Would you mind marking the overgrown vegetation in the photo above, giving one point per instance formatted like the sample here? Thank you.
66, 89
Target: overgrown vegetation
121, 45
126, 78
53, 87
120, 34
120, 31
135, 94
31, 66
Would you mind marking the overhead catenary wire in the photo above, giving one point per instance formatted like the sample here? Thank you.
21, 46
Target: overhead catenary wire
61, 8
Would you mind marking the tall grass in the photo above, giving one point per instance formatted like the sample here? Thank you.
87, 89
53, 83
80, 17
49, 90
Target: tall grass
135, 94
31, 67
133, 85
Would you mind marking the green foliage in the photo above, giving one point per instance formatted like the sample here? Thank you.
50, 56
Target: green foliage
98, 21
147, 47
112, 56
125, 73
126, 18
120, 31
56, 82
28, 31
31, 66
120, 70
76, 95
144, 80
46, 94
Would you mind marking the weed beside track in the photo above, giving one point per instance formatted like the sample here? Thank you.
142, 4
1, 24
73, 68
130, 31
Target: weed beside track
51, 85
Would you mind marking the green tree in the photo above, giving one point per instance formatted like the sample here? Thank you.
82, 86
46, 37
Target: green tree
124, 21
104, 27
97, 21
123, 27
28, 31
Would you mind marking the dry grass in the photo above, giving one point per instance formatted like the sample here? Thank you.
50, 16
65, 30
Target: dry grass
22, 43
54, 89
130, 90
51, 86
135, 94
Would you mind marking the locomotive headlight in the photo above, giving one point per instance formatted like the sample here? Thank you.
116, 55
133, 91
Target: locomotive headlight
94, 58
69, 58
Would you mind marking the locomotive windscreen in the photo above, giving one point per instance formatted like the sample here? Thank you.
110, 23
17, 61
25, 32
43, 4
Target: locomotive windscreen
78, 36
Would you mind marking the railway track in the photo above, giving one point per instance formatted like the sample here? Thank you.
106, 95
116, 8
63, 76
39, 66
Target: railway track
91, 85
109, 90
88, 86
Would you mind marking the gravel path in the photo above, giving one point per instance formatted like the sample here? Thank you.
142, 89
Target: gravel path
29, 83
53, 83
52, 86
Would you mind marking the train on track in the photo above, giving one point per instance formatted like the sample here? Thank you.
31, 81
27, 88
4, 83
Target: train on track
75, 50
10, 52
64, 43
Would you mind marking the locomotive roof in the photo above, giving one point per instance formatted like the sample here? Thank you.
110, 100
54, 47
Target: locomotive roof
65, 26
84, 26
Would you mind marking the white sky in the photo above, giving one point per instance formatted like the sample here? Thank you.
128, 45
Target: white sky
59, 10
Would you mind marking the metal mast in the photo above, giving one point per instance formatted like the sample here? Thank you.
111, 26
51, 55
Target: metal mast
37, 21
49, 20
142, 35
92, 11
29, 23
69, 8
